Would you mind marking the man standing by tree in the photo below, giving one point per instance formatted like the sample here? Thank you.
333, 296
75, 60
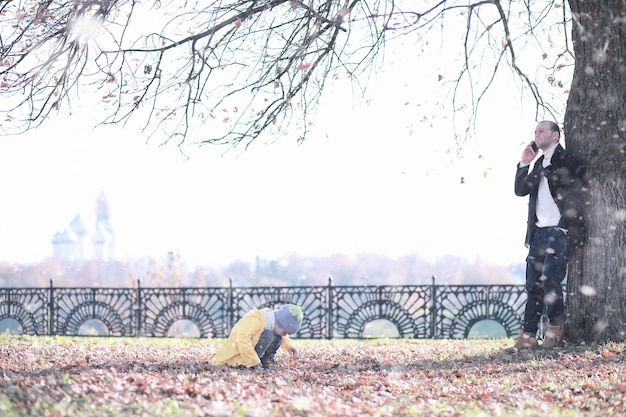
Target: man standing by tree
556, 186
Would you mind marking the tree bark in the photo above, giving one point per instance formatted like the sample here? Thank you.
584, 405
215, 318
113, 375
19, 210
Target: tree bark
595, 129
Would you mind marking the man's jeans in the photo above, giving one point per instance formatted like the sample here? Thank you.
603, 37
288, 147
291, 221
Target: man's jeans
546, 267
268, 345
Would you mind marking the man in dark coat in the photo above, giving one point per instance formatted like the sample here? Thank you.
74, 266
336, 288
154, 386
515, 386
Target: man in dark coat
556, 186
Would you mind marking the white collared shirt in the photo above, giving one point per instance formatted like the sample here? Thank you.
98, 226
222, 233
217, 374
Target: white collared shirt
547, 211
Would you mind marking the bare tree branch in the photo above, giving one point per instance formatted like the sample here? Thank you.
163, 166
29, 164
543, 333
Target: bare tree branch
227, 72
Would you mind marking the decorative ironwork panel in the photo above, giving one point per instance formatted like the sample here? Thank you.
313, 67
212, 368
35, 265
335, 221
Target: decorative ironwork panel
113, 307
460, 307
405, 306
313, 300
207, 308
28, 307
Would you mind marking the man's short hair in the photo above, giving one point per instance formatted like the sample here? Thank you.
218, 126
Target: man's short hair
553, 126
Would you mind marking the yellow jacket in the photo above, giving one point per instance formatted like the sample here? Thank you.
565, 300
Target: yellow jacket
238, 349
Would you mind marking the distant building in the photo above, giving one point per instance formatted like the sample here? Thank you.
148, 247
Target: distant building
78, 242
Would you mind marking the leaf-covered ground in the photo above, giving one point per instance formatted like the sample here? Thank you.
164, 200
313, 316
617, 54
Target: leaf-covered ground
58, 376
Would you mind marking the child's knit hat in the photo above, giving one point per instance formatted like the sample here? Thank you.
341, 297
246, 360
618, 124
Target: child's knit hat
289, 317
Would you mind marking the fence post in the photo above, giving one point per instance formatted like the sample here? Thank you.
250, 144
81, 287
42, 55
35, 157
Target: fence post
433, 309
51, 310
231, 309
330, 309
139, 309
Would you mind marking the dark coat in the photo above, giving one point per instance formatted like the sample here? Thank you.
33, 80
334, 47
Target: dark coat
567, 181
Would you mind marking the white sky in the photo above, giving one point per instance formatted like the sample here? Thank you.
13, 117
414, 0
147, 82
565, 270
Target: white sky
361, 183
381, 177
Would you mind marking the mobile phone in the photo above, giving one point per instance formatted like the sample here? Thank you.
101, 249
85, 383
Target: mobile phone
534, 147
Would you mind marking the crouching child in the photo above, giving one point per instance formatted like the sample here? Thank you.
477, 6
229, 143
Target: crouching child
256, 337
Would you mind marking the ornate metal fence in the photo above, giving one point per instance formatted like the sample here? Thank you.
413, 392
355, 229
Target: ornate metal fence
428, 311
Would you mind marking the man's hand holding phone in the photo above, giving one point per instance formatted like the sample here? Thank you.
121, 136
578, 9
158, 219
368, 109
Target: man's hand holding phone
529, 153
534, 147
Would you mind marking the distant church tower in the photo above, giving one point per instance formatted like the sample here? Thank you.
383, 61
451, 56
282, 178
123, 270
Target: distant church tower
64, 244
103, 235
78, 227
72, 243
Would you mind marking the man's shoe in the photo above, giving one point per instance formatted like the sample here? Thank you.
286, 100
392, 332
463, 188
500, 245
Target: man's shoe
523, 341
553, 338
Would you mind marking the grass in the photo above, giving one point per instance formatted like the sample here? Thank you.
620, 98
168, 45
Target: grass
63, 376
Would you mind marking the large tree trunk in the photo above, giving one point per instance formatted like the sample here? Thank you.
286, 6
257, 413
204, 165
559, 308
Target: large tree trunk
595, 129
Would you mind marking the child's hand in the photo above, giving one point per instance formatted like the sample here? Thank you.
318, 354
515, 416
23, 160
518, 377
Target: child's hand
293, 351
